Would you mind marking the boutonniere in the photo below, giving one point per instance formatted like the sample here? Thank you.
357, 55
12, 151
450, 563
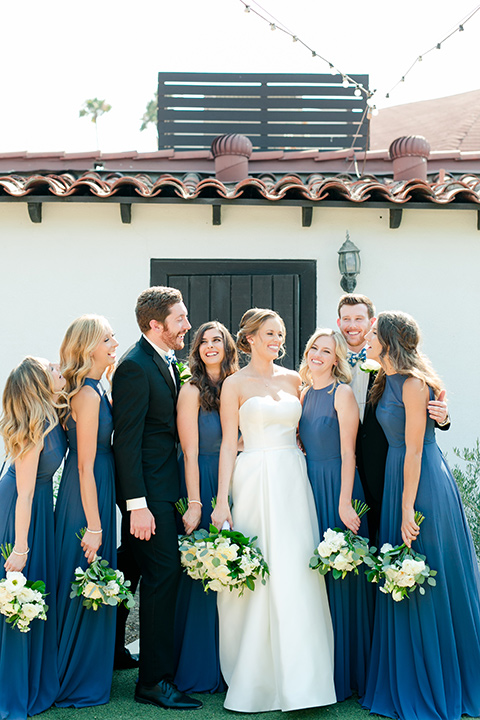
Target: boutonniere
183, 372
370, 366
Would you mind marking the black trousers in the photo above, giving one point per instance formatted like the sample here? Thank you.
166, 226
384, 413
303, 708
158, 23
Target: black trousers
156, 563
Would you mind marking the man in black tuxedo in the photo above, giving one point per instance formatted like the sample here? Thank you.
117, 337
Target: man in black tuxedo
145, 388
356, 315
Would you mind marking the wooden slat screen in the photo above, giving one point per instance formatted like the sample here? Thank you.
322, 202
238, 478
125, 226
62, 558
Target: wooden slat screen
276, 111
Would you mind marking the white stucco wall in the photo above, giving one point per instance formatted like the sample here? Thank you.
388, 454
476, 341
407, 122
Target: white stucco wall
81, 258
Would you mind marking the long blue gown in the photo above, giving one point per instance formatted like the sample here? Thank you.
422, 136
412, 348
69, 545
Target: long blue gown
197, 660
28, 661
425, 662
350, 599
86, 638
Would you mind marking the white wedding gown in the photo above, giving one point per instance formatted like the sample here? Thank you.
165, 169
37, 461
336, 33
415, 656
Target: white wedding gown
276, 643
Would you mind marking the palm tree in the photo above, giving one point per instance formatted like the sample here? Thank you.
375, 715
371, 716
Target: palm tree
95, 108
149, 117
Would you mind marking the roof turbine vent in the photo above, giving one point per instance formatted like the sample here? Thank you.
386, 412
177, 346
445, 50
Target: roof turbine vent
231, 153
409, 155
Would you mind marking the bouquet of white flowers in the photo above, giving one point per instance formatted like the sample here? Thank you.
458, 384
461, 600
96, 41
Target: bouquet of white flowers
100, 585
402, 569
21, 601
341, 551
222, 559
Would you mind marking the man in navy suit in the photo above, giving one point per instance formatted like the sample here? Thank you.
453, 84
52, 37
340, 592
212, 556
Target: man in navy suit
356, 315
145, 388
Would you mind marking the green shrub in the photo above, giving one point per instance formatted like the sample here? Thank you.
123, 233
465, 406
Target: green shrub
468, 481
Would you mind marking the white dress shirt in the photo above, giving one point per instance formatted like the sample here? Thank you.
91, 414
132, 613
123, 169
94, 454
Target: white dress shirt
359, 386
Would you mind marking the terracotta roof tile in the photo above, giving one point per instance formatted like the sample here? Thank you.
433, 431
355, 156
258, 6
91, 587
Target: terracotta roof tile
314, 187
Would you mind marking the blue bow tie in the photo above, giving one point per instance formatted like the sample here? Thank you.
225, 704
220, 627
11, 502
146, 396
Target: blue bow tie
170, 358
354, 358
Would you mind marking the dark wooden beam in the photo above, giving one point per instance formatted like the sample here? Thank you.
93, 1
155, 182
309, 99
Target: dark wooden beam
126, 213
478, 219
395, 217
35, 211
307, 215
216, 215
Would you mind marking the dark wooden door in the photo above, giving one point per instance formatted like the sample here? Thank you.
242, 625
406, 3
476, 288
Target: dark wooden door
224, 289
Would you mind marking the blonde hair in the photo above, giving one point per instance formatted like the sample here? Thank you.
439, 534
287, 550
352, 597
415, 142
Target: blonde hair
29, 410
341, 371
399, 336
80, 341
251, 323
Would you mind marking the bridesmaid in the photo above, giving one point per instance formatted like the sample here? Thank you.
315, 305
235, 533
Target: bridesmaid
35, 442
86, 500
425, 662
328, 430
213, 357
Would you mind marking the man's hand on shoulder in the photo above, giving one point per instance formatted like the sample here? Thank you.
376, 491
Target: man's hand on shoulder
142, 523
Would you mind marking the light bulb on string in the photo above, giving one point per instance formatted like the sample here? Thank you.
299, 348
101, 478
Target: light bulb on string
345, 82
357, 92
439, 46
294, 38
460, 28
374, 110
247, 8
314, 54
332, 69
420, 58
273, 26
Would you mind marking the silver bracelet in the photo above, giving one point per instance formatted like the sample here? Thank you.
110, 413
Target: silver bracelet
196, 501
95, 532
15, 552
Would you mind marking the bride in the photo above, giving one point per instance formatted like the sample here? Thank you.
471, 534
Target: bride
276, 643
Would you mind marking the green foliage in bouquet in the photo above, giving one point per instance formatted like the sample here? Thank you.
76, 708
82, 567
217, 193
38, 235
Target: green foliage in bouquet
341, 551
401, 569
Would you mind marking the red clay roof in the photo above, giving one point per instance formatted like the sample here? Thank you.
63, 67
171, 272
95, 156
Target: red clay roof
315, 188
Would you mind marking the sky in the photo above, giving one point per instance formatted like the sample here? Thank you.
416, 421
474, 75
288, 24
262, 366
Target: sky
56, 54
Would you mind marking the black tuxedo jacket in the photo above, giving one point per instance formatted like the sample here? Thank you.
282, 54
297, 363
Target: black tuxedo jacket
145, 437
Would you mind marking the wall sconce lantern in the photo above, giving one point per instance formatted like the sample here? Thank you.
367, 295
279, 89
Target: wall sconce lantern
349, 265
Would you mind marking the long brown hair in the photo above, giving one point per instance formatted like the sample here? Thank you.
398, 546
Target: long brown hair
209, 390
399, 336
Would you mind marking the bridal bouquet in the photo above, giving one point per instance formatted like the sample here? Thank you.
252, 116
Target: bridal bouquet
402, 569
341, 551
222, 559
21, 601
100, 585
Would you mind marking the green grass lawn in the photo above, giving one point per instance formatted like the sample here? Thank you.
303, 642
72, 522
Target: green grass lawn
123, 707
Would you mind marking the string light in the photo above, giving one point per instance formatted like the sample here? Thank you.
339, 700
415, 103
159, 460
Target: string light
346, 79
275, 24
438, 46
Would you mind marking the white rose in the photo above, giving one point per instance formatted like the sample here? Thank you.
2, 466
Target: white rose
397, 595
120, 577
91, 591
341, 563
111, 588
370, 365
229, 552
405, 579
15, 581
5, 595
386, 547
26, 595
413, 567
391, 573
31, 611
215, 585
334, 539
221, 572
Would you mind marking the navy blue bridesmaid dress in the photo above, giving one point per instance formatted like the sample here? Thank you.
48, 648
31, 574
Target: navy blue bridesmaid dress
351, 600
196, 625
425, 662
28, 661
86, 638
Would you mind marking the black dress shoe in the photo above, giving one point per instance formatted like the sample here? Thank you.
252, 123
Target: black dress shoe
125, 660
165, 695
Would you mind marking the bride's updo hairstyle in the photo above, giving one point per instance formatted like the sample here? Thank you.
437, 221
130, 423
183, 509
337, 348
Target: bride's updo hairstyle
251, 323
80, 341
29, 412
399, 336
341, 371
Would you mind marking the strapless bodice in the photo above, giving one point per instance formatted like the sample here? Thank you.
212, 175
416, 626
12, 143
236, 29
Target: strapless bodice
268, 424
